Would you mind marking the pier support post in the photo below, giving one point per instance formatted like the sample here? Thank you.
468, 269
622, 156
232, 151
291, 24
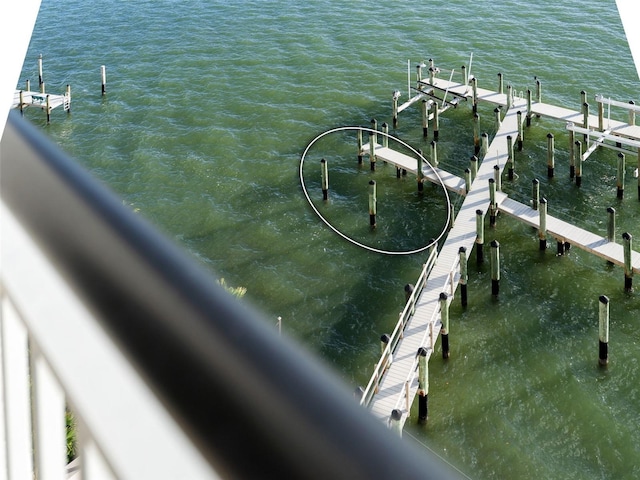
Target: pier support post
103, 75
500, 85
374, 127
42, 87
40, 77
385, 137
372, 150
578, 151
423, 385
600, 115
538, 90
492, 202
542, 229
611, 224
498, 121
462, 252
48, 107
22, 101
479, 236
425, 118
467, 180
372, 203
434, 152
509, 96
495, 268
436, 121
444, 317
396, 96
485, 144
28, 85
535, 193
572, 162
620, 176
497, 178
632, 113
585, 117
474, 90
359, 139
465, 77
628, 267
473, 164
510, 158
520, 134
603, 330
550, 155
395, 423
408, 290
476, 132
324, 171
528, 116
419, 172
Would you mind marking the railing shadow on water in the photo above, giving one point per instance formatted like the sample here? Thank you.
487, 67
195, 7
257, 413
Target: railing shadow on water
167, 374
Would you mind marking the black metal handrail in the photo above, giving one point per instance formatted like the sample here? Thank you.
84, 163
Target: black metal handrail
255, 404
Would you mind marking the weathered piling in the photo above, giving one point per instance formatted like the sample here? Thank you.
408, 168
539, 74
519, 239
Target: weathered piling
603, 330
476, 132
462, 252
425, 118
520, 137
324, 171
578, 152
509, 96
535, 193
497, 178
611, 224
384, 341
473, 165
498, 120
600, 115
360, 145
423, 385
495, 268
436, 121
632, 113
620, 176
408, 290
396, 96
572, 162
434, 153
372, 150
485, 144
628, 267
474, 90
585, 117
492, 203
528, 116
500, 83
550, 155
542, 229
395, 423
40, 77
511, 164
372, 203
538, 91
467, 179
420, 172
444, 318
385, 137
103, 76
465, 77
479, 236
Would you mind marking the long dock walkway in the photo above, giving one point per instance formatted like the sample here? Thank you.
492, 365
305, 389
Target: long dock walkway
399, 385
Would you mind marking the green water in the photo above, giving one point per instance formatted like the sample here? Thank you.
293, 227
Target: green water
209, 107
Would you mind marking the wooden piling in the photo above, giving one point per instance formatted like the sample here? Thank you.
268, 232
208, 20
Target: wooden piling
535, 193
538, 90
628, 267
425, 118
467, 180
360, 144
498, 120
603, 330
385, 137
420, 172
485, 144
578, 152
476, 132
22, 101
510, 158
474, 90
620, 175
479, 236
372, 203
374, 127
497, 178
585, 117
423, 385
492, 203
509, 96
611, 224
473, 163
40, 77
542, 230
436, 121
500, 85
324, 171
520, 134
396, 96
408, 290
528, 116
444, 317
103, 75
434, 152
572, 162
462, 252
372, 150
632, 113
384, 341
48, 108
395, 423
28, 85
550, 155
600, 115
495, 268
465, 77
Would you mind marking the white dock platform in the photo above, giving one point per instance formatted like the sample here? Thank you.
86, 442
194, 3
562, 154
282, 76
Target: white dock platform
400, 382
40, 100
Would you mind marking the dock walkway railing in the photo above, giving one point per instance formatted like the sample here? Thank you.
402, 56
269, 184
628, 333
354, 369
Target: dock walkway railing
167, 375
386, 357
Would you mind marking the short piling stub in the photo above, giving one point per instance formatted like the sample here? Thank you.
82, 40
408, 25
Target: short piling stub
324, 170
603, 330
495, 268
372, 203
395, 423
542, 230
620, 176
103, 76
628, 267
550, 155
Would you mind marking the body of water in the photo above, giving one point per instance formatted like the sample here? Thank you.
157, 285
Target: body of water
209, 107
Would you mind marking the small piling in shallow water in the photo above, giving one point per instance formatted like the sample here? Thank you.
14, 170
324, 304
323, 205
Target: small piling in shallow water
628, 267
603, 330
462, 252
444, 316
620, 176
423, 385
550, 155
372, 203
495, 268
324, 170
479, 236
542, 230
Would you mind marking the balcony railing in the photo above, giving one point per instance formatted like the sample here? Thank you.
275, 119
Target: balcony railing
168, 376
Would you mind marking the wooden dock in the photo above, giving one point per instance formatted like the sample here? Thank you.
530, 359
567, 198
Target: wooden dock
46, 101
396, 384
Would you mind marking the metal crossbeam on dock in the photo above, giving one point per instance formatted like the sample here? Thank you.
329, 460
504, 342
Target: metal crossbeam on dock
399, 386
